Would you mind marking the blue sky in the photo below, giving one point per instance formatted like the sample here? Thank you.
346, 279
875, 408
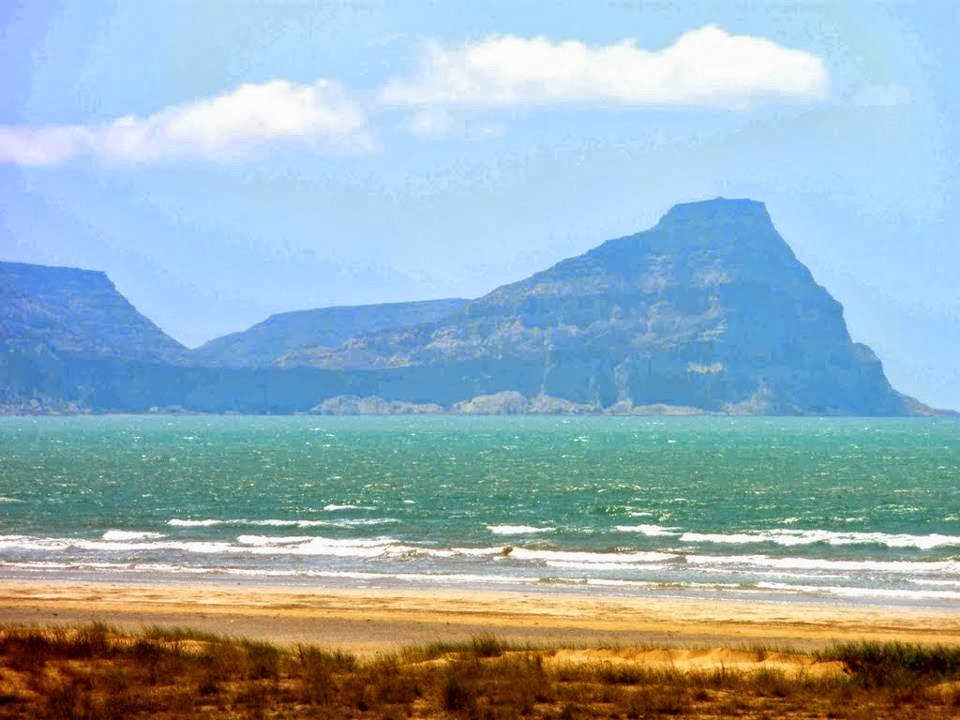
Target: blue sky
224, 161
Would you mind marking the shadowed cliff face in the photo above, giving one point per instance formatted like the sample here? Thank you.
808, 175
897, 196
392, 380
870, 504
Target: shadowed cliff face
708, 309
65, 311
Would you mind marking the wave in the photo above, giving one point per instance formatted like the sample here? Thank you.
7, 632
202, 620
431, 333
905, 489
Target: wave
334, 507
791, 537
898, 567
177, 522
518, 529
245, 545
649, 530
935, 583
590, 566
171, 568
27, 542
121, 535
592, 559
375, 547
269, 522
849, 591
485, 580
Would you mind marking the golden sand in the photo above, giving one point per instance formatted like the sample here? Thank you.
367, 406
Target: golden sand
373, 620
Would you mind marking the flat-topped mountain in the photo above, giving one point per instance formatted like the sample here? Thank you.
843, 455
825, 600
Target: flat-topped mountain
78, 313
708, 311
283, 333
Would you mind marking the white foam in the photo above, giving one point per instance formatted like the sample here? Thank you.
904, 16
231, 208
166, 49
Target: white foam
649, 530
600, 566
863, 592
935, 583
177, 522
518, 529
588, 559
268, 540
379, 547
202, 548
791, 537
29, 542
334, 507
908, 567
123, 535
471, 552
36, 565
272, 522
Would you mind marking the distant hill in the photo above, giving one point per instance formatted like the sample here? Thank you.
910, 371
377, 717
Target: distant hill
709, 311
280, 334
54, 320
79, 313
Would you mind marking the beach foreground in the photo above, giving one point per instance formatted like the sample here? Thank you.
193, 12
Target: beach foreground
379, 620
114, 650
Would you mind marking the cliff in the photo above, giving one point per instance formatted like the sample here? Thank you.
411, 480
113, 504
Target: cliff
709, 311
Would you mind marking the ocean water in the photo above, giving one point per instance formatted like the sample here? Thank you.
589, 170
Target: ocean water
840, 510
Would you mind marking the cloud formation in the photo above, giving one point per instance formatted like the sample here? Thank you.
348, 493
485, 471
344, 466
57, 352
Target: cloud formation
222, 127
706, 67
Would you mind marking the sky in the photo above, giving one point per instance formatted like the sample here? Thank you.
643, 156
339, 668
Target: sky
223, 161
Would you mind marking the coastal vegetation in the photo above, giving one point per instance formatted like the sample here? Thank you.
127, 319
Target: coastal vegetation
95, 671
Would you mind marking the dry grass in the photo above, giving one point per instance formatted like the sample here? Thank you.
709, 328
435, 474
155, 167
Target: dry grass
94, 672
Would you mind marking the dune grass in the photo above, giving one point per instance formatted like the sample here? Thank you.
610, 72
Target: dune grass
95, 672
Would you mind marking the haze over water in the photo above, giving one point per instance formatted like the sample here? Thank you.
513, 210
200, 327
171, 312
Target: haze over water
837, 509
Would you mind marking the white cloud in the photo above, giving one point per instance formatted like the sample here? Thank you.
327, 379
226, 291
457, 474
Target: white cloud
44, 146
221, 127
707, 66
881, 96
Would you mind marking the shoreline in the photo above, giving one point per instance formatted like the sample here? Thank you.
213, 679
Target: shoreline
369, 621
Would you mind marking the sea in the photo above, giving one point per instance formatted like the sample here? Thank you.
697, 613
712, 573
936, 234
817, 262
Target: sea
833, 510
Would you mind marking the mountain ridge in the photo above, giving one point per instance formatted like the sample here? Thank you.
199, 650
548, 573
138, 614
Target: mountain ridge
710, 308
707, 311
281, 333
77, 312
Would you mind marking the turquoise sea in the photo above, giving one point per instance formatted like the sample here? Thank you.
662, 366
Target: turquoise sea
841, 510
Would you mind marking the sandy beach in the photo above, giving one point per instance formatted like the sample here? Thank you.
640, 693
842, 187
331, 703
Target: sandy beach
369, 621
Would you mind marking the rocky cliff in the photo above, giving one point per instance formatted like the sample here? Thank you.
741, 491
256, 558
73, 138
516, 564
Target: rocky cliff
67, 311
708, 311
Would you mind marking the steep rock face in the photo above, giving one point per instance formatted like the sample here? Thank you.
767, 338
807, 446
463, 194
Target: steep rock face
55, 324
278, 335
709, 309
55, 311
